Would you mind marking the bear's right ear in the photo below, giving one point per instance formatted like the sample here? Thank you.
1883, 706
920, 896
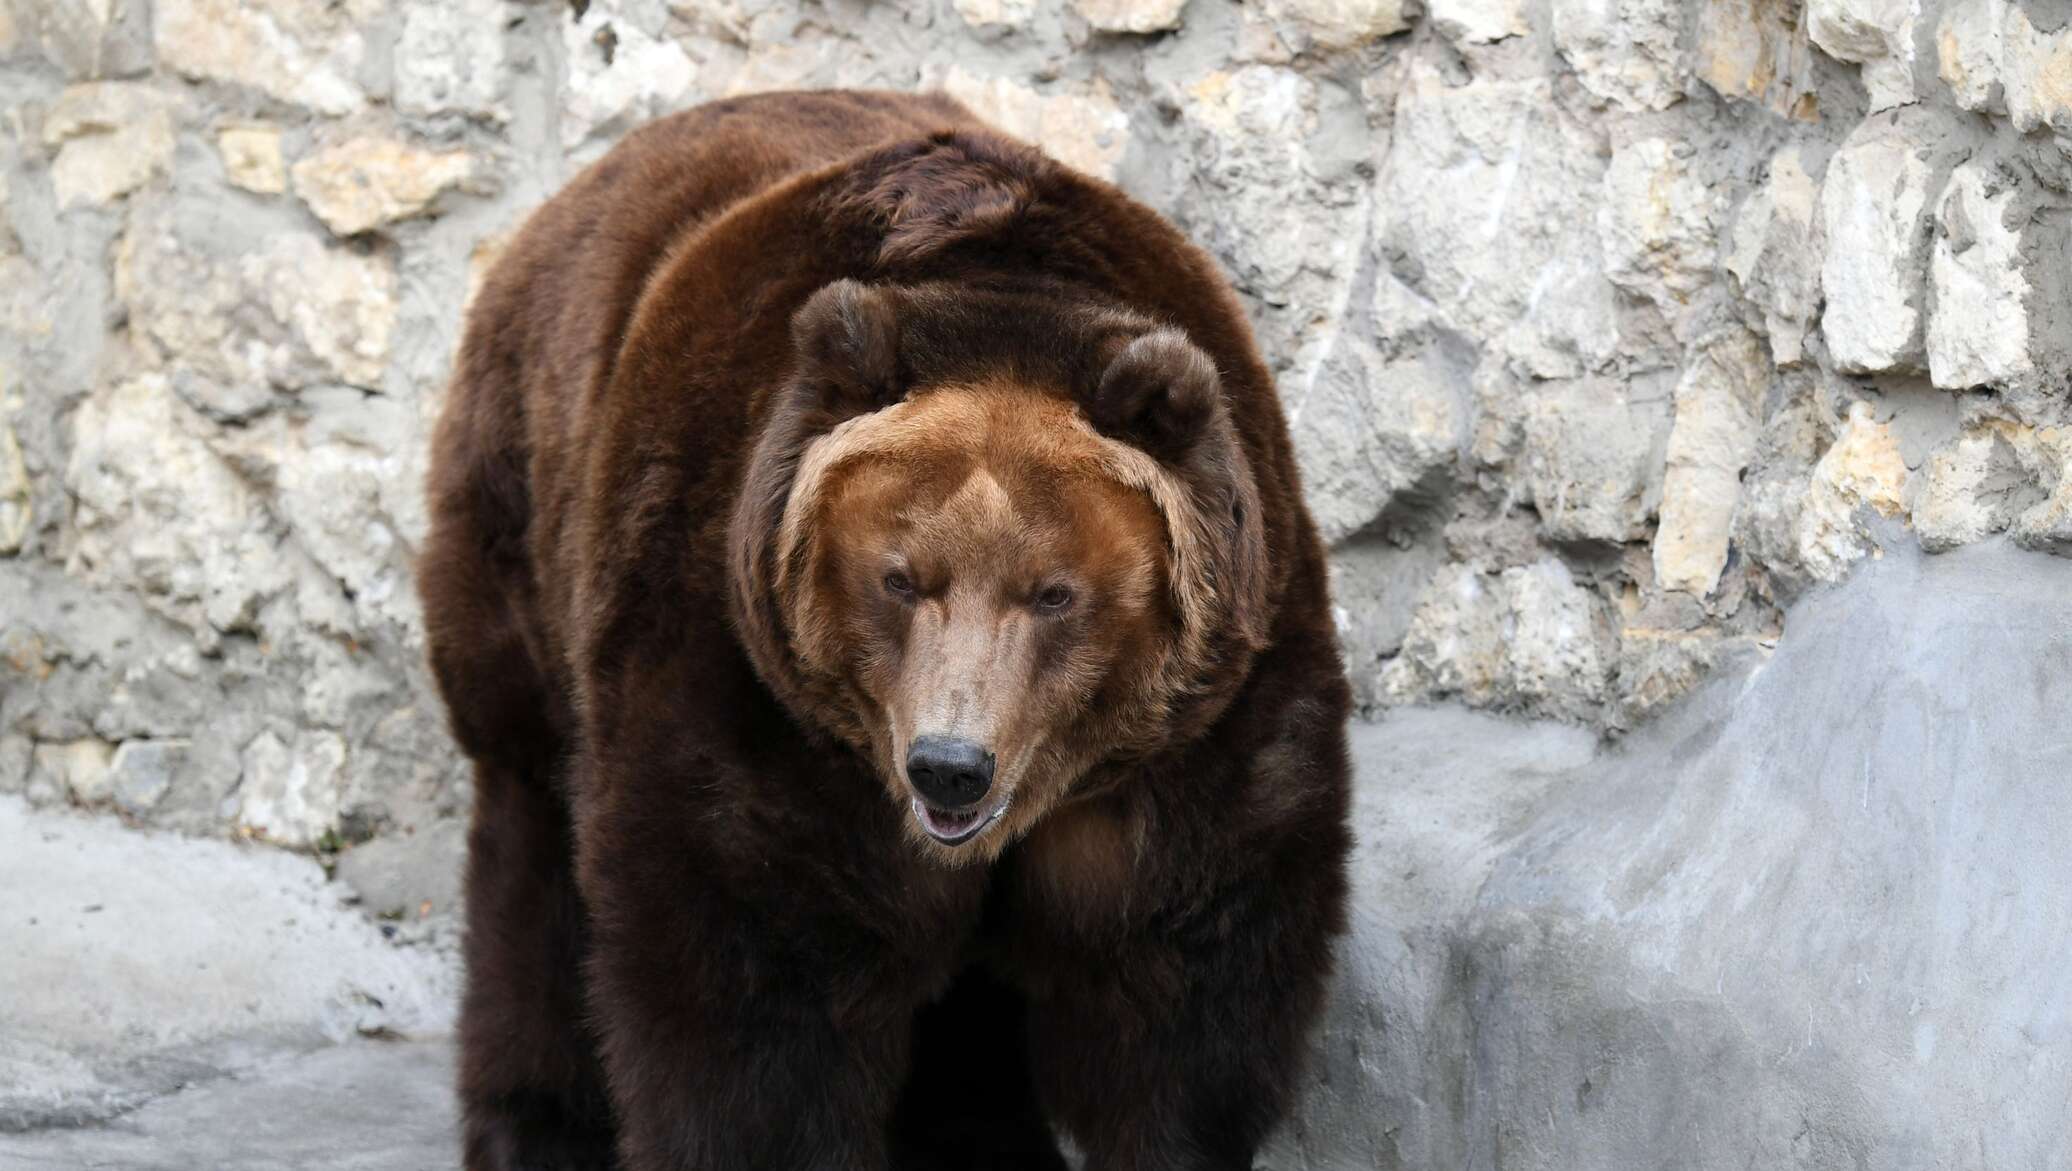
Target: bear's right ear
846, 337
1159, 393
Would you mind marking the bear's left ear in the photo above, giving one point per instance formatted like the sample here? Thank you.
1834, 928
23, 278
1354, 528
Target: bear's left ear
1160, 393
846, 337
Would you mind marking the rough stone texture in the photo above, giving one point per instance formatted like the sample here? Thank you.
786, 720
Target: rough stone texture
1605, 327
1874, 210
137, 963
111, 138
1811, 919
367, 182
1718, 403
1879, 34
1131, 16
252, 158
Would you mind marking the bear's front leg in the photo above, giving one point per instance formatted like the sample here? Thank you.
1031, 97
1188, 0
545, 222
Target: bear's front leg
1177, 1047
728, 1048
754, 994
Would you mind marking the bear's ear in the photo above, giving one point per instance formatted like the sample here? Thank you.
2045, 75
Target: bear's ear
846, 337
1159, 393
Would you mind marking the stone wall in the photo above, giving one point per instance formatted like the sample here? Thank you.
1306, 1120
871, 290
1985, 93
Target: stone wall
1605, 326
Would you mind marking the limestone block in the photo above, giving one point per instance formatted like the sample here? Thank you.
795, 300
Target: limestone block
1481, 22
1131, 16
1656, 221
1774, 253
252, 158
369, 182
77, 768
1874, 206
1878, 34
449, 58
159, 514
1372, 429
288, 792
1758, 52
1718, 417
982, 14
1339, 24
1976, 485
142, 772
1527, 636
1625, 52
1591, 458
1979, 331
618, 73
112, 138
1861, 470
303, 52
234, 323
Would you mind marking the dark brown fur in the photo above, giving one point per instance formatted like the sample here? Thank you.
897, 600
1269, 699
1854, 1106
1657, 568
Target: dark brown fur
699, 933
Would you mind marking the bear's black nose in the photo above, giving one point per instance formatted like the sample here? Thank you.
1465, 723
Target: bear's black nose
949, 773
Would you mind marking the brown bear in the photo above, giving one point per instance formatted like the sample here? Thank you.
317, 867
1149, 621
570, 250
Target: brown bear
869, 575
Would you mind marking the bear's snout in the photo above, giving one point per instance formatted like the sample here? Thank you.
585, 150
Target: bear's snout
948, 772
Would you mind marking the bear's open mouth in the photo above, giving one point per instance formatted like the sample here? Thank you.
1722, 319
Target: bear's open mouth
955, 827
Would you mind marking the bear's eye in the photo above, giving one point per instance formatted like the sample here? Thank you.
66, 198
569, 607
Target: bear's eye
1053, 599
899, 585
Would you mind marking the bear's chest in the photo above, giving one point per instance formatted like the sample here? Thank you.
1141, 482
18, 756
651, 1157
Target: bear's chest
1078, 867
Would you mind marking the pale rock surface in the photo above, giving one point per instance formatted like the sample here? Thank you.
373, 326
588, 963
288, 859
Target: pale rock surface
1131, 16
1528, 636
1340, 24
252, 158
1774, 249
303, 52
79, 769
1979, 331
1877, 34
1970, 52
139, 962
1811, 918
1625, 52
290, 791
367, 182
2036, 72
1516, 173
618, 73
16, 506
1592, 459
983, 14
83, 38
1251, 162
1481, 22
161, 515
1861, 474
1974, 486
1372, 428
191, 282
142, 772
449, 58
1757, 52
1718, 417
112, 138
1656, 222
1083, 130
1874, 209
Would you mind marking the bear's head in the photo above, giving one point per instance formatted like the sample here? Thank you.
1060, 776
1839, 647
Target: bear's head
993, 539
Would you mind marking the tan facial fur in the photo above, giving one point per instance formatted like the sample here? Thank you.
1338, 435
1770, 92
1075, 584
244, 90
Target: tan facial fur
922, 556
